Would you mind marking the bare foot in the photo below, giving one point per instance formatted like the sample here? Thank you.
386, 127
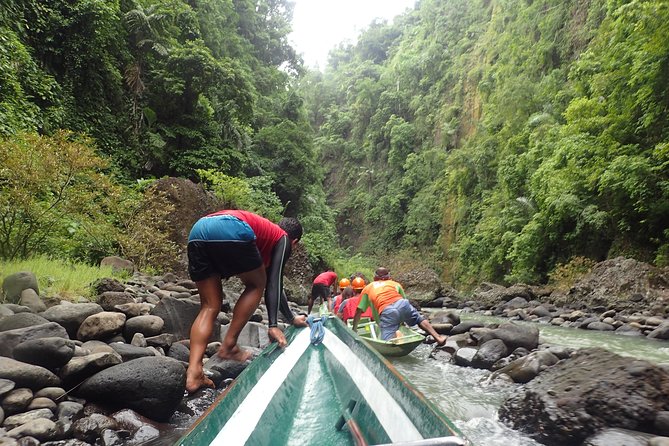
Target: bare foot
398, 334
275, 334
196, 381
235, 353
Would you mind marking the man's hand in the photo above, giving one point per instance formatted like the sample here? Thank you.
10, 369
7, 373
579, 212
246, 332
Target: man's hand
300, 321
275, 334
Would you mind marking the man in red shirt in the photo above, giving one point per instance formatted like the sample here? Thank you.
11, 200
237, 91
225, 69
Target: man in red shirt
321, 289
392, 307
237, 243
343, 283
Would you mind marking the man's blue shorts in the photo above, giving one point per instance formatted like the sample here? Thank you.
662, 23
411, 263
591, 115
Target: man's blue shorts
395, 314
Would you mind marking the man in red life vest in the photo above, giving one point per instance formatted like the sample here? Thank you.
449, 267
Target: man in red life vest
321, 288
392, 307
348, 308
237, 243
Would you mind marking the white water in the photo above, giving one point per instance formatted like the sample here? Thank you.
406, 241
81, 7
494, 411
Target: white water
465, 397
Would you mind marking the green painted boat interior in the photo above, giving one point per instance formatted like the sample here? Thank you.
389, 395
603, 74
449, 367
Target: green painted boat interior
310, 404
400, 346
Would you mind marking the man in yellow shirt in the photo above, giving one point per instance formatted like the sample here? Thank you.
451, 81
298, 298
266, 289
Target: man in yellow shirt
392, 307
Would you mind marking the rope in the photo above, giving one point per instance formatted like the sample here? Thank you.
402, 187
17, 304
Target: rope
317, 329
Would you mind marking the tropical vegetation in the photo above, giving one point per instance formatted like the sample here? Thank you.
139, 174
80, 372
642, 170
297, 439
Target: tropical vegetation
491, 139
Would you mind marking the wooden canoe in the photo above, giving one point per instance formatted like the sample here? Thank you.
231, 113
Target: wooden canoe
337, 392
399, 346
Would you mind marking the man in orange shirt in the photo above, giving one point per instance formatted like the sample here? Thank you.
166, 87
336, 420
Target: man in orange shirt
392, 307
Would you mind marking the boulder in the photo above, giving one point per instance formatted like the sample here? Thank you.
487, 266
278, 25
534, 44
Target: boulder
80, 368
17, 282
152, 386
148, 325
10, 339
592, 390
118, 264
71, 316
50, 353
27, 375
30, 298
129, 352
101, 326
178, 315
21, 320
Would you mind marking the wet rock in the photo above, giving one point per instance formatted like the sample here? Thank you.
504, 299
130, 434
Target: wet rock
489, 353
592, 390
526, 368
516, 335
661, 332
89, 428
465, 326
464, 356
618, 437
152, 386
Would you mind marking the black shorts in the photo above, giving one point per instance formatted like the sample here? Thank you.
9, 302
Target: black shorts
320, 290
224, 258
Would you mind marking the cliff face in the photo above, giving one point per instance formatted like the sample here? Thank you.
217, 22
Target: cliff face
190, 202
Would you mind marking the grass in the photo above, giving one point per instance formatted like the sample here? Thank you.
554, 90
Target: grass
56, 277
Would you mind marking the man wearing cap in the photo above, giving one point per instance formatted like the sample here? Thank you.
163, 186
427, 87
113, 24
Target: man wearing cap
392, 307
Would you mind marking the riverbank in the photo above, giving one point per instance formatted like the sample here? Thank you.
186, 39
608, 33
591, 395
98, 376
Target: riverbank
108, 371
64, 365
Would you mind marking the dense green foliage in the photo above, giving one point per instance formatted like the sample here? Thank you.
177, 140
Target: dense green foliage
497, 138
201, 89
502, 137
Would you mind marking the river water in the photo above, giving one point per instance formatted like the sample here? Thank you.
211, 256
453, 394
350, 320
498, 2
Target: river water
462, 393
464, 396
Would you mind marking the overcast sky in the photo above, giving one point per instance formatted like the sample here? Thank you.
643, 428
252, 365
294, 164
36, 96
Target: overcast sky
319, 25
